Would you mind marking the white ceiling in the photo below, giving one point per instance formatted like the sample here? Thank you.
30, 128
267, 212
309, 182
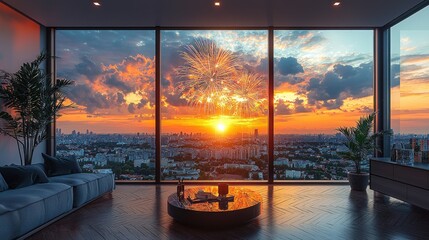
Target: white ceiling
202, 13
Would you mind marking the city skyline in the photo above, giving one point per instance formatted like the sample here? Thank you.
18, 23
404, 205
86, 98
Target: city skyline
198, 156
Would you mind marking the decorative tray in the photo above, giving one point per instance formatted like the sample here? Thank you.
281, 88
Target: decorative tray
210, 199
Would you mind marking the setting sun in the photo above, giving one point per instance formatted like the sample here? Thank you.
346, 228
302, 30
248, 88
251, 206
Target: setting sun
221, 127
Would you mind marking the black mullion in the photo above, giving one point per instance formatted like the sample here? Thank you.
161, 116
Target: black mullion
157, 105
270, 104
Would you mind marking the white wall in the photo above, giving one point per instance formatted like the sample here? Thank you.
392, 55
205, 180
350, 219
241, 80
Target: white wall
21, 40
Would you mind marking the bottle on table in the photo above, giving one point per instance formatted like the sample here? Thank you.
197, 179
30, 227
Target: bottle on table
181, 190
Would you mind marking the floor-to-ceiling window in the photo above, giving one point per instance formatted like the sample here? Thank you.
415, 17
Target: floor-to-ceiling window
323, 80
109, 123
214, 104
213, 101
410, 88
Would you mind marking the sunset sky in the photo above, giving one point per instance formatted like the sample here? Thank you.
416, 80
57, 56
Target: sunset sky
323, 79
410, 72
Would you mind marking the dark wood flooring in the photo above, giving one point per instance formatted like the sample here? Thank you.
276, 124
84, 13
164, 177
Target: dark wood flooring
288, 212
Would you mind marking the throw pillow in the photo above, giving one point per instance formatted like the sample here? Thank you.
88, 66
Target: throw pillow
56, 166
37, 171
23, 176
3, 184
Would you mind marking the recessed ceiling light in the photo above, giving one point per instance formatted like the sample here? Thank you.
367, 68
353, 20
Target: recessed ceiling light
217, 3
96, 3
337, 3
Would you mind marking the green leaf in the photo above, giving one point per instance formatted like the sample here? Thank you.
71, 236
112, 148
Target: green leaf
360, 140
33, 99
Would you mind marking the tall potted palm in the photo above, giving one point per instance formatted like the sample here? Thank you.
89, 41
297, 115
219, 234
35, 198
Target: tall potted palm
32, 101
360, 142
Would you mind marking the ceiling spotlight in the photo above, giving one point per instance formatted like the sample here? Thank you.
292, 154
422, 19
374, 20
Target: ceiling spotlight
337, 3
217, 3
96, 3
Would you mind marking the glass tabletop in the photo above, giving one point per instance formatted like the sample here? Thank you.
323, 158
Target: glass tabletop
242, 198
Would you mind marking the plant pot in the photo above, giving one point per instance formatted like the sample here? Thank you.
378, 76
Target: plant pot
358, 181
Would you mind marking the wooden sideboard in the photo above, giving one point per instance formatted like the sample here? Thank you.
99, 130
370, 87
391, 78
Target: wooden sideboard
404, 182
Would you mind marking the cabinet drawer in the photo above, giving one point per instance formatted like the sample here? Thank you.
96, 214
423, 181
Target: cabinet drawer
389, 187
382, 169
411, 176
418, 197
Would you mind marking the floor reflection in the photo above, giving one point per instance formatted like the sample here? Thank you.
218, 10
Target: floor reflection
250, 230
358, 204
288, 212
406, 219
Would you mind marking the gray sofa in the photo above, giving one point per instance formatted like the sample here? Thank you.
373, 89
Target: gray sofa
86, 186
24, 209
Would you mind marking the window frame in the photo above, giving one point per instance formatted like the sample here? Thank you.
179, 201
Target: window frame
379, 79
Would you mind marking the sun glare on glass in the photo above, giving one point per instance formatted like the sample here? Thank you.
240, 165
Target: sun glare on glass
221, 127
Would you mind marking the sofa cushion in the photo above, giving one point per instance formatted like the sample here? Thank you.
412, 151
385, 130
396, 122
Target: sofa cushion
24, 209
3, 184
106, 182
85, 186
22, 176
56, 166
9, 222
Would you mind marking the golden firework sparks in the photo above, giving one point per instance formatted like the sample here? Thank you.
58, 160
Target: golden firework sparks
208, 73
248, 99
213, 80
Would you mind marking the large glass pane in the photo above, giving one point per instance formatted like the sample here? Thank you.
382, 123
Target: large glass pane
214, 105
110, 124
323, 80
410, 88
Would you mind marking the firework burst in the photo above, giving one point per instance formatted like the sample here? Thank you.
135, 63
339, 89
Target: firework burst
214, 80
208, 72
247, 97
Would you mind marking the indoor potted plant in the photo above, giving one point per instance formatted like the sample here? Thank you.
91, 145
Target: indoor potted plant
360, 142
32, 101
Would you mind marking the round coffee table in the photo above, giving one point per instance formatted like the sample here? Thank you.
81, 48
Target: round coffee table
245, 207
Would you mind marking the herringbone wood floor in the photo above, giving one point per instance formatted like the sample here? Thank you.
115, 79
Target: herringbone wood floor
288, 212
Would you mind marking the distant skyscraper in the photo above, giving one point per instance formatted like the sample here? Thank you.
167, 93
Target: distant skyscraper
256, 134
423, 143
413, 143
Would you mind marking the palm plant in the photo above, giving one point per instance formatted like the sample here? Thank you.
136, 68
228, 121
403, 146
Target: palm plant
360, 140
33, 101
